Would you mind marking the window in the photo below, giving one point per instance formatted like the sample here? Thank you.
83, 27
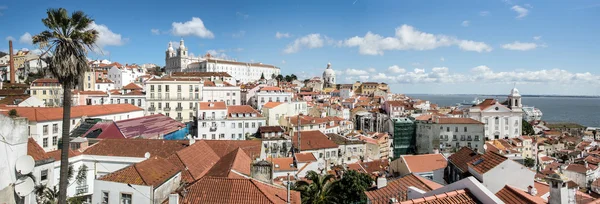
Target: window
240, 125
125, 197
45, 129
54, 140
44, 92
465, 129
247, 125
44, 174
203, 136
253, 125
233, 125
191, 105
167, 88
455, 129
104, 197
213, 136
447, 129
222, 136
240, 136
222, 124
151, 87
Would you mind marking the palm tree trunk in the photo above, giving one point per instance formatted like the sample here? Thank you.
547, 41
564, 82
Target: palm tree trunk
64, 152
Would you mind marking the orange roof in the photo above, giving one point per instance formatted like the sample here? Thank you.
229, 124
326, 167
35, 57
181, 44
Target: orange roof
424, 162
223, 147
212, 105
305, 157
462, 157
463, 196
229, 165
132, 86
45, 80
123, 147
34, 150
241, 109
272, 104
312, 140
270, 88
198, 158
486, 103
486, 162
89, 92
512, 195
56, 154
457, 121
39, 114
236, 190
283, 164
150, 172
398, 187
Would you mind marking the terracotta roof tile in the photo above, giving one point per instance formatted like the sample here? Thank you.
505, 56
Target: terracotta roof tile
212, 105
151, 172
272, 104
461, 158
398, 189
198, 158
312, 140
56, 154
511, 195
104, 130
270, 88
241, 109
136, 147
424, 162
185, 173
486, 103
236, 161
223, 147
236, 190
458, 196
14, 100
268, 129
40, 114
283, 164
200, 74
305, 157
486, 162
444, 120
34, 150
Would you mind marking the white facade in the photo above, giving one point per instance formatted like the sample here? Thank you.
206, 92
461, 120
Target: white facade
496, 178
11, 148
271, 94
448, 137
220, 122
501, 121
176, 98
116, 192
122, 76
244, 72
275, 114
221, 92
329, 77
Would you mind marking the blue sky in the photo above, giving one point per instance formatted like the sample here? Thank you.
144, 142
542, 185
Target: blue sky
464, 46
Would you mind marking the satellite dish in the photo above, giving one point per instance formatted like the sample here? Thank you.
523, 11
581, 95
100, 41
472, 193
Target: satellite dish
24, 164
147, 155
24, 186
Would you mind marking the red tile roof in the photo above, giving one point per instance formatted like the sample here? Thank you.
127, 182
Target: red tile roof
272, 104
236, 190
486, 162
305, 157
136, 147
222, 147
270, 88
283, 164
398, 187
14, 100
212, 105
312, 140
104, 130
458, 121
185, 174
463, 196
56, 154
39, 114
424, 162
151, 126
512, 195
198, 159
231, 165
486, 103
34, 150
151, 172
580, 168
241, 109
461, 158
101, 93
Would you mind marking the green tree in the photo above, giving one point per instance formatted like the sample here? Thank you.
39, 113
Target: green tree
319, 190
262, 76
527, 128
294, 77
279, 77
351, 188
67, 39
13, 113
288, 78
529, 162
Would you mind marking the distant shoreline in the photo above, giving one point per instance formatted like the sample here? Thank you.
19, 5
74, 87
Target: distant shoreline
503, 95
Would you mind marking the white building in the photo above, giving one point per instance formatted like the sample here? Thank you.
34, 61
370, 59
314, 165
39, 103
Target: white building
275, 111
174, 97
124, 75
217, 121
492, 169
430, 166
502, 120
221, 91
45, 123
449, 134
104, 85
244, 72
329, 77
271, 94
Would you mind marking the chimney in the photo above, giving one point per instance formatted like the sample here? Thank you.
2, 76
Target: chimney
381, 182
11, 62
174, 198
586, 165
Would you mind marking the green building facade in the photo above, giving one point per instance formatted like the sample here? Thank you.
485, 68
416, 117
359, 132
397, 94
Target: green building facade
404, 136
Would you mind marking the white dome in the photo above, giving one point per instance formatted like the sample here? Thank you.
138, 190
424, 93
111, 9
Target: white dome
181, 45
170, 47
328, 72
514, 92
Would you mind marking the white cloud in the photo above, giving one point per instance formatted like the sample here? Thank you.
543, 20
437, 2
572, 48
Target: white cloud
279, 35
474, 46
219, 54
155, 31
194, 27
520, 10
242, 15
310, 41
10, 38
396, 69
26, 39
239, 34
356, 72
484, 13
442, 59
408, 38
465, 23
537, 37
520, 46
484, 73
106, 37
371, 70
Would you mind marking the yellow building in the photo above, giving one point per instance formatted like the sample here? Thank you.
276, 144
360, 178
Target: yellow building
368, 88
356, 87
21, 57
47, 90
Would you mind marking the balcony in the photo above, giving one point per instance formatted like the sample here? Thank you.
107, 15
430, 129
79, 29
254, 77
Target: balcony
151, 108
213, 128
167, 108
81, 189
179, 118
179, 109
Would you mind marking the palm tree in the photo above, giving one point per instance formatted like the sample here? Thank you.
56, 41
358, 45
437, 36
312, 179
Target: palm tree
319, 190
68, 39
